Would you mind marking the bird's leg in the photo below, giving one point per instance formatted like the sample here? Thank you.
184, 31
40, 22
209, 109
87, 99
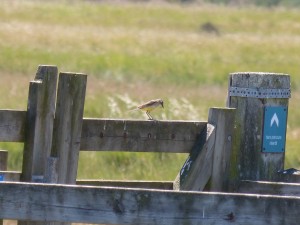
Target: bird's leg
149, 116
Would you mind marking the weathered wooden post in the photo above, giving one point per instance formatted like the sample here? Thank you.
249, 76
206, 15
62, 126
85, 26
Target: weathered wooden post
39, 123
67, 128
39, 126
261, 102
3, 160
62, 162
223, 120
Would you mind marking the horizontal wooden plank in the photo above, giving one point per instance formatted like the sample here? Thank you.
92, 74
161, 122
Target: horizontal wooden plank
289, 178
139, 135
10, 175
116, 134
86, 204
163, 185
272, 188
12, 124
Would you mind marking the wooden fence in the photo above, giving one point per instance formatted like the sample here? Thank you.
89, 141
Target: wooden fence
214, 186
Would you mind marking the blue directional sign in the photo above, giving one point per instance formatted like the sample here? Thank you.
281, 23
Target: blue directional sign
1, 177
274, 130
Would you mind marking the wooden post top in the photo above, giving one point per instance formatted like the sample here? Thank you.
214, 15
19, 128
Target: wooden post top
260, 79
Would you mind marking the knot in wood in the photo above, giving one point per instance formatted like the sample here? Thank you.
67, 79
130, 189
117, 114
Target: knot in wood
101, 135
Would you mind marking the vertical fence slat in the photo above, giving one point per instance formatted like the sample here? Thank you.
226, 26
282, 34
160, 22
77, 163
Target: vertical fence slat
68, 125
39, 126
223, 120
39, 123
28, 153
63, 161
3, 160
49, 76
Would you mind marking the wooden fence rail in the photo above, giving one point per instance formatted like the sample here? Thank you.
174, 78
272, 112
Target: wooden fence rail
12, 124
140, 136
117, 134
68, 203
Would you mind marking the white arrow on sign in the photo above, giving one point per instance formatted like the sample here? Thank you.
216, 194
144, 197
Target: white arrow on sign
274, 120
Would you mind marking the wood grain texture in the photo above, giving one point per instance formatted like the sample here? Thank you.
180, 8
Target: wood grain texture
223, 120
11, 175
35, 89
117, 134
3, 160
68, 124
51, 170
139, 135
12, 124
270, 188
197, 169
14, 176
98, 205
39, 123
248, 161
289, 178
63, 161
163, 185
39, 126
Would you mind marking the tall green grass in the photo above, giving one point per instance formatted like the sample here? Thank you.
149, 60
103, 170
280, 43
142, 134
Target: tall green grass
134, 52
149, 42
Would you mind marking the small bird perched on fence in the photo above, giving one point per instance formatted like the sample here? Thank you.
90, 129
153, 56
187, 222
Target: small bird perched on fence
151, 105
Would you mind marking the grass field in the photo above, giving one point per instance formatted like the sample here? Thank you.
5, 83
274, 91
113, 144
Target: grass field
134, 52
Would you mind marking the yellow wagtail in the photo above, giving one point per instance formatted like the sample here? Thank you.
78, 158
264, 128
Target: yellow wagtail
151, 105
